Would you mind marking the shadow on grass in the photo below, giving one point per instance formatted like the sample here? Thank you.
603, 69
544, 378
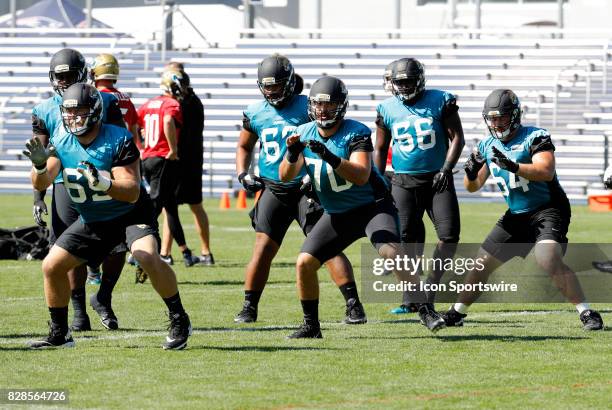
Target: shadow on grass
227, 264
243, 329
15, 348
501, 338
232, 282
265, 349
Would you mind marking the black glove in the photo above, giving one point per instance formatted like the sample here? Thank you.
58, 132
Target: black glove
308, 189
252, 183
39, 208
473, 164
503, 161
442, 179
294, 151
326, 155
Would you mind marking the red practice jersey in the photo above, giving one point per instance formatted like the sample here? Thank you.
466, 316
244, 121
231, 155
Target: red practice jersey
151, 120
125, 104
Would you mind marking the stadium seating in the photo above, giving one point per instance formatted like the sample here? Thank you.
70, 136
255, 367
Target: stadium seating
560, 83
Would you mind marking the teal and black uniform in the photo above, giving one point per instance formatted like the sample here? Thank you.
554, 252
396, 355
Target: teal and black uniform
280, 202
47, 122
104, 222
537, 210
351, 211
419, 146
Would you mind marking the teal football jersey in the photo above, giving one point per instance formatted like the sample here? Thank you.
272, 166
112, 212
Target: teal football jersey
335, 193
112, 147
419, 140
273, 126
520, 194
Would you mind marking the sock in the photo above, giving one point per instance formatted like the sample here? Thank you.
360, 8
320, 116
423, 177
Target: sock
59, 316
311, 310
406, 298
349, 291
174, 304
461, 308
78, 301
581, 307
252, 296
105, 293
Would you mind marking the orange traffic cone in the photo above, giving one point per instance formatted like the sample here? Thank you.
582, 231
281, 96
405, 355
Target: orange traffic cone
225, 201
241, 202
257, 195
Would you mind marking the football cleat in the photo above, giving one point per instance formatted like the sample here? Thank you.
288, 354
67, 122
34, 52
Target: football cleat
453, 318
80, 323
141, 275
248, 314
308, 330
190, 259
430, 318
168, 259
132, 260
207, 260
355, 314
57, 338
603, 266
179, 331
403, 309
105, 311
591, 320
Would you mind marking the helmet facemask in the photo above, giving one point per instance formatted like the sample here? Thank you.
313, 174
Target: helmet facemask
325, 112
63, 77
277, 92
407, 88
78, 120
501, 125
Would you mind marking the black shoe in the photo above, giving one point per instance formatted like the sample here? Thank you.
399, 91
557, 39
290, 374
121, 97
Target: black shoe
207, 260
80, 323
248, 314
308, 330
453, 318
430, 318
168, 259
105, 311
57, 338
179, 331
141, 275
190, 259
355, 315
591, 320
603, 266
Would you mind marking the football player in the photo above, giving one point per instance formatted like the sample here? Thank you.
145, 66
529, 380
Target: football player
161, 119
191, 156
337, 154
99, 164
68, 67
270, 122
427, 139
521, 160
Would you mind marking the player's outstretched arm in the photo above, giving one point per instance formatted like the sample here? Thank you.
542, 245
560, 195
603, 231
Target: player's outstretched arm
126, 182
43, 178
294, 160
357, 169
542, 167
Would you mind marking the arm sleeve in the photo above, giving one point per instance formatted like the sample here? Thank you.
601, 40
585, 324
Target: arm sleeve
541, 143
380, 121
246, 123
450, 106
361, 143
126, 153
113, 115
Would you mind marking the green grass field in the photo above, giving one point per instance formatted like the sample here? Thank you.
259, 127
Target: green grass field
506, 356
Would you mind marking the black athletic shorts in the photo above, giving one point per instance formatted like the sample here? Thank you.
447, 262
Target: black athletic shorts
335, 232
274, 213
64, 214
550, 222
414, 199
189, 189
93, 241
162, 176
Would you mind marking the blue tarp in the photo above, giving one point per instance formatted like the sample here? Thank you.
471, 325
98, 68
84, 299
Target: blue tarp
53, 14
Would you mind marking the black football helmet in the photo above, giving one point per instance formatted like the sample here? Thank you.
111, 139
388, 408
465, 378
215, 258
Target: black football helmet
327, 102
67, 67
407, 79
81, 108
276, 79
387, 84
502, 103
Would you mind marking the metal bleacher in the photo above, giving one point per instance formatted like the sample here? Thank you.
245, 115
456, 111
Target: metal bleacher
559, 81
